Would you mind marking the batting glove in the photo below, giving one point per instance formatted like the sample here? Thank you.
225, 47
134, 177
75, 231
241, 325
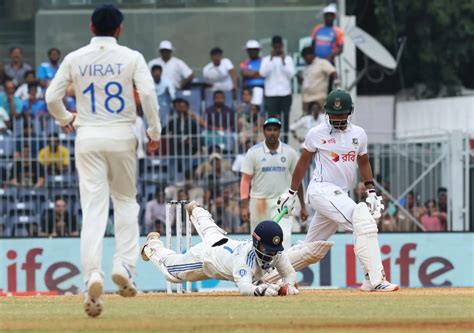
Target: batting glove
287, 200
375, 204
292, 290
267, 289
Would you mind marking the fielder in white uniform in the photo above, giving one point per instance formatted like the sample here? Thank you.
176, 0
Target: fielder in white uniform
267, 171
103, 74
338, 148
219, 257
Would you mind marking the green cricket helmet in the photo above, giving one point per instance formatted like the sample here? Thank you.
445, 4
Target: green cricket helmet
338, 109
339, 102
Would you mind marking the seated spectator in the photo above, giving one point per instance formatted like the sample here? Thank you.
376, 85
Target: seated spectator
225, 213
47, 70
218, 117
217, 175
183, 195
70, 99
155, 212
220, 72
4, 121
34, 107
204, 169
443, 205
60, 223
388, 221
431, 219
3, 76
239, 159
249, 68
182, 135
29, 138
16, 68
278, 70
316, 77
411, 205
302, 126
26, 172
165, 91
22, 90
360, 193
54, 157
246, 111
12, 104
174, 69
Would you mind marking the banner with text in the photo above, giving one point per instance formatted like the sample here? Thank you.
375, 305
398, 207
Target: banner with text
411, 260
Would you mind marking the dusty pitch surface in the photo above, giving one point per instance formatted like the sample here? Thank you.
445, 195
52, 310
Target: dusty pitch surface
409, 310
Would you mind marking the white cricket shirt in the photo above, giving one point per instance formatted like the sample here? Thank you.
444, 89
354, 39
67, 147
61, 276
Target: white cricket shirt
219, 76
271, 171
103, 74
277, 75
336, 153
174, 70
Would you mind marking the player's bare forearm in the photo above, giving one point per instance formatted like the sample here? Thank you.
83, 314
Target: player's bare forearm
300, 170
301, 194
365, 169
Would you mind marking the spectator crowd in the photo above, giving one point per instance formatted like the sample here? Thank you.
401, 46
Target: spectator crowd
209, 122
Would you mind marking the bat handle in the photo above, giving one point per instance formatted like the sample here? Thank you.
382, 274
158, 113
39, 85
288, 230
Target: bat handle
279, 216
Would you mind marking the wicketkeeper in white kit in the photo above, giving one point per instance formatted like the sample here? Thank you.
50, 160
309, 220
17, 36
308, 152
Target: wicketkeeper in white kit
103, 74
338, 148
222, 258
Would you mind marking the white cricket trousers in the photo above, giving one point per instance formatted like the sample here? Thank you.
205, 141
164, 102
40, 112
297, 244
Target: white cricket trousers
332, 206
107, 164
266, 209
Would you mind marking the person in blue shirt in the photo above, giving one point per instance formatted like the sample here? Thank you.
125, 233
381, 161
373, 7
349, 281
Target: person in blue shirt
47, 70
165, 91
12, 104
327, 38
249, 68
34, 107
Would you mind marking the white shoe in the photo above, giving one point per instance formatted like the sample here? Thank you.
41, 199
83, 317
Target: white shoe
384, 286
151, 236
122, 277
93, 303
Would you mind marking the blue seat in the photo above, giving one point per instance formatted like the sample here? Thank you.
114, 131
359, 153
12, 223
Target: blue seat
22, 224
61, 180
6, 146
5, 228
193, 96
21, 208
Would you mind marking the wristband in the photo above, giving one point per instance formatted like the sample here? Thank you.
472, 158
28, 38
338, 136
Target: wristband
292, 192
369, 182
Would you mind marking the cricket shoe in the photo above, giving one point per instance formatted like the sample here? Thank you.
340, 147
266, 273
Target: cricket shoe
384, 286
145, 247
93, 302
122, 277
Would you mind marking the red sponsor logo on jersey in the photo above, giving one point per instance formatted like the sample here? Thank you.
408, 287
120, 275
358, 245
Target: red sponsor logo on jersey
347, 157
329, 141
334, 156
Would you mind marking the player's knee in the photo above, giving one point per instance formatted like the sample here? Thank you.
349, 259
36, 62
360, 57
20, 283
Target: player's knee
363, 221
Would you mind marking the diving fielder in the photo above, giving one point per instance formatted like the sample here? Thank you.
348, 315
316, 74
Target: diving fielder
338, 148
219, 257
103, 74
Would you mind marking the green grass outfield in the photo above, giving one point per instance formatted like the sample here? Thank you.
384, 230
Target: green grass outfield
409, 310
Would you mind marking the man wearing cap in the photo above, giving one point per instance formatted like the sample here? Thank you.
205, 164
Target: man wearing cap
249, 68
339, 150
266, 170
327, 38
174, 69
103, 74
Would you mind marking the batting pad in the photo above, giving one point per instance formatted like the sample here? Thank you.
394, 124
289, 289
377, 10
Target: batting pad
302, 255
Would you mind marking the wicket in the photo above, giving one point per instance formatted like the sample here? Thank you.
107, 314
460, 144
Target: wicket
181, 217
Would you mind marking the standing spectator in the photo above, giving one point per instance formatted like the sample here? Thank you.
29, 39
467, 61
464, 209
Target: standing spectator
26, 172
443, 205
302, 126
60, 223
16, 68
278, 70
3, 76
250, 67
218, 117
12, 104
155, 212
34, 107
47, 70
54, 157
22, 90
316, 77
4, 121
165, 91
431, 219
220, 72
266, 172
328, 39
174, 69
